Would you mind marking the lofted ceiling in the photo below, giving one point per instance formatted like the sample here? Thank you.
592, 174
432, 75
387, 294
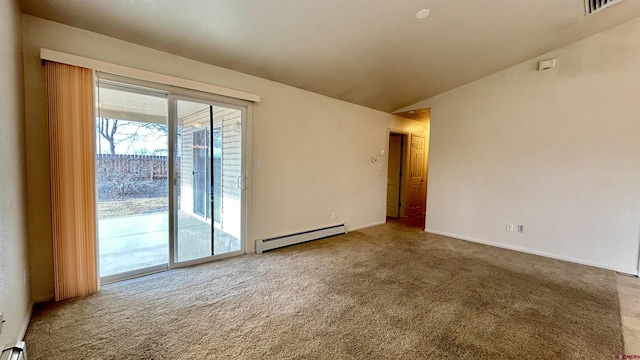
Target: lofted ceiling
375, 53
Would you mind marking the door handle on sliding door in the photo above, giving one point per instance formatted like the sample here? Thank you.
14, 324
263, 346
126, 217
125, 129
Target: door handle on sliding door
242, 182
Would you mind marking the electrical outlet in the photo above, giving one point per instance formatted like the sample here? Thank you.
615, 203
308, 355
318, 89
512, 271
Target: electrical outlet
520, 228
509, 227
333, 215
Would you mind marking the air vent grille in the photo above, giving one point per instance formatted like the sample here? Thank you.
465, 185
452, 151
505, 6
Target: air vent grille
593, 6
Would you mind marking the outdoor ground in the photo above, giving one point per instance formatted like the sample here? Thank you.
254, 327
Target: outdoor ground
116, 208
138, 240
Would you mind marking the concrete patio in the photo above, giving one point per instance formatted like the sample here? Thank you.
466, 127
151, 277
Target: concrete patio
134, 242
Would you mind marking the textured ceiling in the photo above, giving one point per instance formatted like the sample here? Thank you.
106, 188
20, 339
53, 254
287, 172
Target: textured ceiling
369, 52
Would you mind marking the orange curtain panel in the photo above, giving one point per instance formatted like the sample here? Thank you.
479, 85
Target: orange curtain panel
72, 161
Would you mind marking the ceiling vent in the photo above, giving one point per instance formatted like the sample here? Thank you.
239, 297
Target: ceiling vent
593, 6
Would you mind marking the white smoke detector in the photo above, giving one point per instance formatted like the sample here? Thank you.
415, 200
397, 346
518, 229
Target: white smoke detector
423, 13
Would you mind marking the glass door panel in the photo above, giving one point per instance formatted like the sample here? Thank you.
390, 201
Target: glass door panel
228, 122
208, 169
193, 154
131, 179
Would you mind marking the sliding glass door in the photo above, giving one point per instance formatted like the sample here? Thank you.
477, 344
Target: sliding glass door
208, 189
162, 206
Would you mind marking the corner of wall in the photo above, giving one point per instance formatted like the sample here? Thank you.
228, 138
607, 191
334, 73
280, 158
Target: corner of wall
15, 297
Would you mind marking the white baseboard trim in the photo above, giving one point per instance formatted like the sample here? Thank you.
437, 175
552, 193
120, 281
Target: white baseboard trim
26, 321
531, 251
365, 226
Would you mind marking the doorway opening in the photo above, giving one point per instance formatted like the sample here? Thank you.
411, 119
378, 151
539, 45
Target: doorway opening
407, 178
395, 174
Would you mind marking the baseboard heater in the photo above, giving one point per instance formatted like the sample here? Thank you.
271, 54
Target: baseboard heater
14, 352
297, 238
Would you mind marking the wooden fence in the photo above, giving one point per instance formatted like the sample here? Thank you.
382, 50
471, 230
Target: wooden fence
145, 167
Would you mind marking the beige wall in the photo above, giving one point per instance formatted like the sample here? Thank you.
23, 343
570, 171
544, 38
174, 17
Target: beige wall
14, 289
557, 151
315, 151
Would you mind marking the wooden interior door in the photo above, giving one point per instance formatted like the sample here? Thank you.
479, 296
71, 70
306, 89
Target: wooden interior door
393, 176
417, 193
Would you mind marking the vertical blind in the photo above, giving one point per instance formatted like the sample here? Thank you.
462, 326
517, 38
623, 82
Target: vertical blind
72, 161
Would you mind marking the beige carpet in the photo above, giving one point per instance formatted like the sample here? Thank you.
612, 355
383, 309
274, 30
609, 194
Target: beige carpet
383, 292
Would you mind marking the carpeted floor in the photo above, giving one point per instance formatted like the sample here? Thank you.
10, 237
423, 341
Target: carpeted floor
385, 292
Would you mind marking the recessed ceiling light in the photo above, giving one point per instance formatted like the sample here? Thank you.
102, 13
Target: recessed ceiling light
423, 13
411, 112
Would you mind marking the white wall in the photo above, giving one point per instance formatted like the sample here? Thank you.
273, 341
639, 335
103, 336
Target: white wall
557, 151
315, 151
14, 290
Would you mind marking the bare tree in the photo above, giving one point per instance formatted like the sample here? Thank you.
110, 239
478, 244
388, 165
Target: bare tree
107, 128
160, 130
116, 132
